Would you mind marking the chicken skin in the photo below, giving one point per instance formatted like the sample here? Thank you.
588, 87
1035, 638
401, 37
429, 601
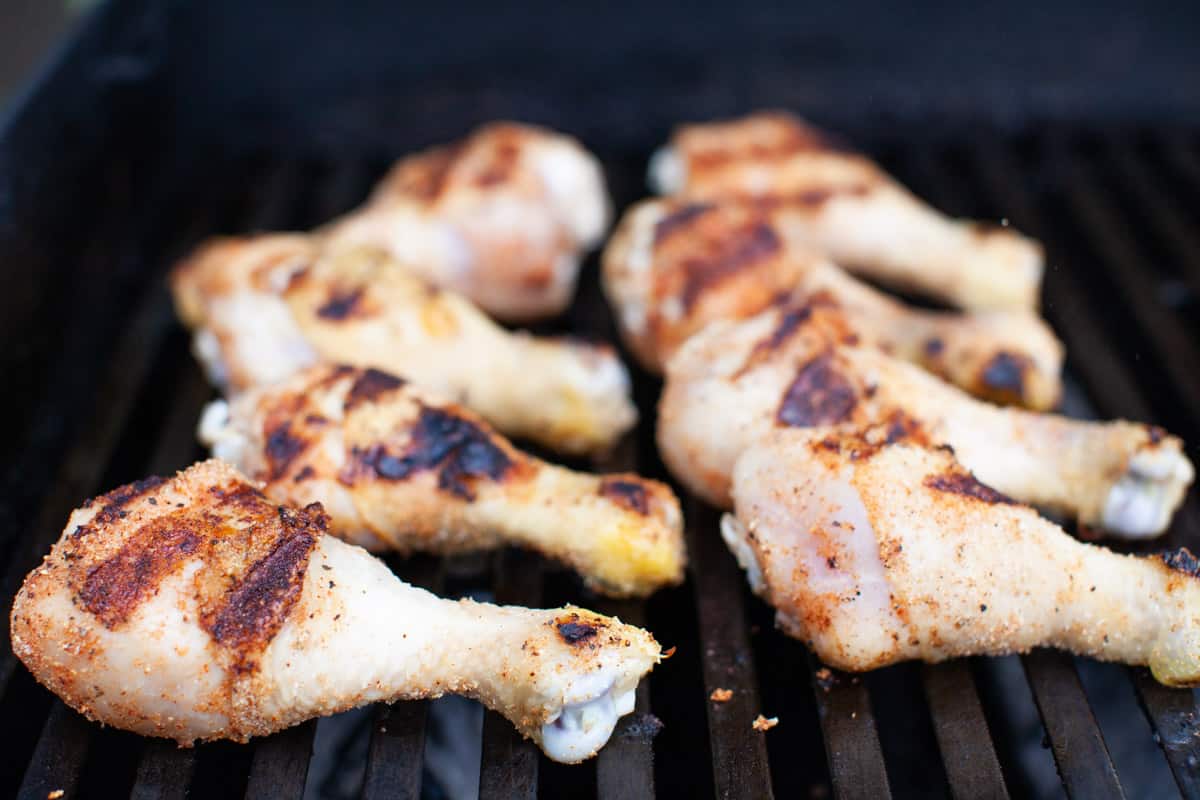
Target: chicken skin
398, 469
735, 383
672, 266
501, 217
875, 545
194, 608
845, 205
265, 307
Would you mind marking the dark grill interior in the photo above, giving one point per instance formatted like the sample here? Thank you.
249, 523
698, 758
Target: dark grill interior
96, 204
1117, 210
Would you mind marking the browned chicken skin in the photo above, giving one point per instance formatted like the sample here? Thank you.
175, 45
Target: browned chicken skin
673, 265
845, 205
736, 383
502, 216
266, 307
194, 608
399, 469
875, 545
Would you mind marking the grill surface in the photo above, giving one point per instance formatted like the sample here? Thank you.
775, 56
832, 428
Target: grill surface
1117, 210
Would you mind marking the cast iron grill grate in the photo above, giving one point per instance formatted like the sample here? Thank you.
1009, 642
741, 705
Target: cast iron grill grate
1118, 211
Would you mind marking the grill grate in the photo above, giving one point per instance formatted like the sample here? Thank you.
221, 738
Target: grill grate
1116, 211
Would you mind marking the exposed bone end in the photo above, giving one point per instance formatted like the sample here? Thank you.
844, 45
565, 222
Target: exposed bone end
582, 727
736, 536
1141, 503
667, 171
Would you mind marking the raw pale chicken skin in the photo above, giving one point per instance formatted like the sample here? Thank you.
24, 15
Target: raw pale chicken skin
874, 545
672, 266
501, 217
398, 469
845, 205
193, 609
735, 383
265, 307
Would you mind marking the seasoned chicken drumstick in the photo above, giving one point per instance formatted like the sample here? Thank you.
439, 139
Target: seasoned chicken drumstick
737, 382
672, 266
502, 217
265, 307
397, 469
844, 204
194, 608
876, 546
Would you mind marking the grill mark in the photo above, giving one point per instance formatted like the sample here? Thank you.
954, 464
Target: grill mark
116, 587
458, 449
502, 162
1004, 374
967, 485
727, 256
792, 320
1181, 560
678, 219
282, 448
627, 493
575, 631
426, 177
368, 386
819, 395
256, 608
340, 305
115, 502
306, 472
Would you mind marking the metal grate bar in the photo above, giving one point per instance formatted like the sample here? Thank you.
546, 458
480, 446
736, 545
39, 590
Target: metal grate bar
509, 763
164, 772
1123, 263
739, 752
856, 765
1057, 691
1083, 761
280, 764
397, 751
1162, 214
1107, 377
962, 732
58, 760
395, 756
1173, 715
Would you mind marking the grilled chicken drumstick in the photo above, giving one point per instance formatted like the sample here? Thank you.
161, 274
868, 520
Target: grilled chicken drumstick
264, 307
397, 469
501, 217
194, 608
876, 546
844, 204
672, 266
737, 382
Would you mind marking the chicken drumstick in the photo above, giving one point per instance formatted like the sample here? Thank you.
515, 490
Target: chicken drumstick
876, 546
194, 608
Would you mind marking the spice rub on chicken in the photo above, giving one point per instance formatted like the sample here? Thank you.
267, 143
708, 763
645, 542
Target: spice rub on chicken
844, 205
397, 468
502, 217
735, 383
193, 608
875, 545
674, 265
264, 307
